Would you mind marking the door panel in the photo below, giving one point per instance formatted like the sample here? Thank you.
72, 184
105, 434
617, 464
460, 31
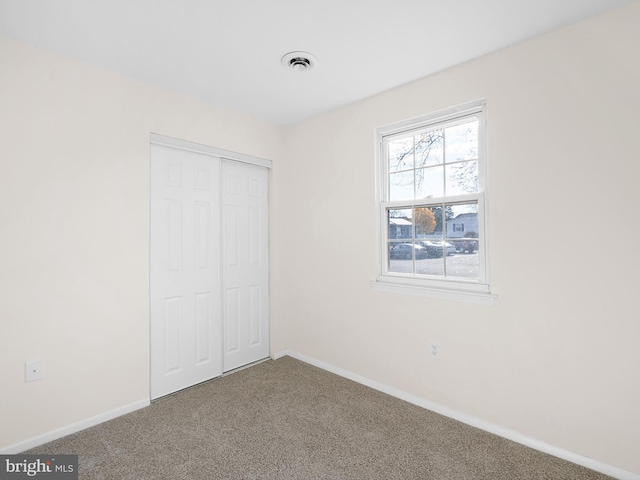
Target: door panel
245, 268
185, 282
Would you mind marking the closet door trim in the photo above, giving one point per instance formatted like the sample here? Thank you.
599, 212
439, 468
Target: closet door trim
158, 139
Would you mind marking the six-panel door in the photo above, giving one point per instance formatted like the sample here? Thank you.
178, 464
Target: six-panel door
208, 271
184, 269
245, 257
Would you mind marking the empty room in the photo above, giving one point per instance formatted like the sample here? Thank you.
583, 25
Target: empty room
294, 239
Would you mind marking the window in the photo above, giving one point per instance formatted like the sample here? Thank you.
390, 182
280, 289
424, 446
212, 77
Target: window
431, 174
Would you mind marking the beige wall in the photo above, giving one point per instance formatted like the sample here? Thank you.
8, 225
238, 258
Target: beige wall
557, 358
74, 189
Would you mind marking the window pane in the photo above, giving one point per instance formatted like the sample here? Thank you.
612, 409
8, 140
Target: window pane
462, 221
437, 212
433, 263
464, 265
461, 142
426, 221
440, 216
429, 148
462, 178
462, 233
400, 223
400, 154
401, 256
429, 182
401, 186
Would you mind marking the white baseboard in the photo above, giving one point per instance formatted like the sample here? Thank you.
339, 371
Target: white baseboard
73, 428
280, 354
468, 419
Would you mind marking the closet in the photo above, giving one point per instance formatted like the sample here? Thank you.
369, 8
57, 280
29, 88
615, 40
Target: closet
209, 265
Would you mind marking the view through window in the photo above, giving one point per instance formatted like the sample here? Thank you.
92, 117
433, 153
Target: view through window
433, 198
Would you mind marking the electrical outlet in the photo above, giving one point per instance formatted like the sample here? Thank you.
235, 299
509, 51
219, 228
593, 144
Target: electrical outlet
434, 349
33, 370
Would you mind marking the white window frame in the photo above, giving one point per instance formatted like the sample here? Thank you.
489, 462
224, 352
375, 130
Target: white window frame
447, 288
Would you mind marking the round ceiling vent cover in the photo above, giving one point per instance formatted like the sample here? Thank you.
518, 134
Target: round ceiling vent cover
299, 61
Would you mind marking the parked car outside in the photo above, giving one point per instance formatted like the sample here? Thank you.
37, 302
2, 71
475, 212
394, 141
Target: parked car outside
407, 251
466, 245
435, 249
449, 248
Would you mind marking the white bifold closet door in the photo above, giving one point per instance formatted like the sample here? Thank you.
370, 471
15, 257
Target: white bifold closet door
208, 267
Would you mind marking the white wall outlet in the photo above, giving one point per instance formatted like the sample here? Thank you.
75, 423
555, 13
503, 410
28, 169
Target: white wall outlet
434, 349
33, 370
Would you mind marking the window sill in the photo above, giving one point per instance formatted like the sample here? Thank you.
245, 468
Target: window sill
437, 293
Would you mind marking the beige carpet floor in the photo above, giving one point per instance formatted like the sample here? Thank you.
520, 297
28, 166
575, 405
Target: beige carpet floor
285, 419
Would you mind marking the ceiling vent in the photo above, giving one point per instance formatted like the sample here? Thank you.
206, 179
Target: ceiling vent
299, 61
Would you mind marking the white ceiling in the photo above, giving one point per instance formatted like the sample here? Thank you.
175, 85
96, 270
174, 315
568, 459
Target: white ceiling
228, 52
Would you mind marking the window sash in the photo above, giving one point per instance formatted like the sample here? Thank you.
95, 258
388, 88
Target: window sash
435, 125
443, 202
